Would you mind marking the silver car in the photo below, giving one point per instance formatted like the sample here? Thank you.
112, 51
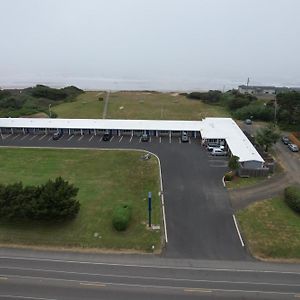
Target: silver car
293, 147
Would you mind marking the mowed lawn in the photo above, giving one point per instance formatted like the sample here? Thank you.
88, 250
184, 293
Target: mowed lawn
272, 229
85, 106
159, 106
105, 179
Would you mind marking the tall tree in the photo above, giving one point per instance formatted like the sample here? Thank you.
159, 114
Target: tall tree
267, 136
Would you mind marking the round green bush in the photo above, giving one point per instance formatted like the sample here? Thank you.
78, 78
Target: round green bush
228, 177
121, 217
292, 197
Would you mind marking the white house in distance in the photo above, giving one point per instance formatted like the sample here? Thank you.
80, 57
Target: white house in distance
223, 130
257, 90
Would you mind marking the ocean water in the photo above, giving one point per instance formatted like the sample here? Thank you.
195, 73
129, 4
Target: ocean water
117, 84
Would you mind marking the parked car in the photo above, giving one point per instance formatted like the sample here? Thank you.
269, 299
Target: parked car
218, 152
248, 121
184, 137
145, 137
107, 135
293, 147
285, 140
211, 146
57, 135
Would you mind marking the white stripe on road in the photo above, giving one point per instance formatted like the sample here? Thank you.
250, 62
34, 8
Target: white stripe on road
33, 137
112, 138
69, 139
150, 140
238, 231
121, 139
81, 138
91, 138
160, 139
42, 137
100, 139
130, 139
170, 139
189, 140
5, 137
15, 137
50, 138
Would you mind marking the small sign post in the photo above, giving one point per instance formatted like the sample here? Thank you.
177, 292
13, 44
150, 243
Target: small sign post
149, 207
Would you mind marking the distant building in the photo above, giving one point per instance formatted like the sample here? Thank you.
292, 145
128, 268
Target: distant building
264, 90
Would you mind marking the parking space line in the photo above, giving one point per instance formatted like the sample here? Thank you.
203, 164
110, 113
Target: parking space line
121, 139
140, 139
112, 138
50, 138
170, 139
69, 139
33, 137
81, 138
24, 137
130, 139
91, 138
150, 140
15, 137
189, 140
100, 139
42, 137
160, 139
5, 137
179, 140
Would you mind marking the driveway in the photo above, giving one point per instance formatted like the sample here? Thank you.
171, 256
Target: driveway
290, 161
198, 211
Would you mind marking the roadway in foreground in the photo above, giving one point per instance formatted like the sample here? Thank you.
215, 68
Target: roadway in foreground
27, 274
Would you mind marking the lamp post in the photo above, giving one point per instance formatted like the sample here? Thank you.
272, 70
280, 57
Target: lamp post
50, 110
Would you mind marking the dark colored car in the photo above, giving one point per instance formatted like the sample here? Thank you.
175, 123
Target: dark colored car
57, 135
184, 137
145, 137
107, 135
285, 140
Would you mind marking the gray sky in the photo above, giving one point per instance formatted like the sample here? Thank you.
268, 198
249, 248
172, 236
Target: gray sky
176, 44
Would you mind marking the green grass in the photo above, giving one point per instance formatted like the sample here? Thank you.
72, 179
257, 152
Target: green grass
159, 106
85, 106
105, 179
239, 182
272, 229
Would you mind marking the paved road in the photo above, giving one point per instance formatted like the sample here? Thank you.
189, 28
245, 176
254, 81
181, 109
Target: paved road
28, 274
198, 212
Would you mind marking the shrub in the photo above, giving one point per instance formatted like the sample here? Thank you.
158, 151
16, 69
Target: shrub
228, 177
121, 217
292, 197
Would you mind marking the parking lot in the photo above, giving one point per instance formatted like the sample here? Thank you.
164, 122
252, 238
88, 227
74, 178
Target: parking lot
198, 213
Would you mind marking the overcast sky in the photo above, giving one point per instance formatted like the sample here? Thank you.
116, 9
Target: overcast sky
177, 44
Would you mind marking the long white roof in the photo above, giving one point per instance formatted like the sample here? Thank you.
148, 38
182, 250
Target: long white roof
226, 128
210, 128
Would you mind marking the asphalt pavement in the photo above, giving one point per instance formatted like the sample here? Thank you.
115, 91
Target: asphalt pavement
198, 213
26, 274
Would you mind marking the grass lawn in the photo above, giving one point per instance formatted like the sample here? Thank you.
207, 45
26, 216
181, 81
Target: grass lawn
239, 182
86, 106
105, 179
272, 229
159, 106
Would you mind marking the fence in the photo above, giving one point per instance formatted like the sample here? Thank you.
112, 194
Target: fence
244, 172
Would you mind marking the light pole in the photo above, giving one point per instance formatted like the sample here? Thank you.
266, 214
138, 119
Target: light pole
50, 110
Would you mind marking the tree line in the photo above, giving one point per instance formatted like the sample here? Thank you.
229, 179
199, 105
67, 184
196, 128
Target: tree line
55, 200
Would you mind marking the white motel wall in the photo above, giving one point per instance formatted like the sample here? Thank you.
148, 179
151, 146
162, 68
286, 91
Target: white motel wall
208, 129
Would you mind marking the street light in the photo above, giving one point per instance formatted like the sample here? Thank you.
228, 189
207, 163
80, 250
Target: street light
50, 110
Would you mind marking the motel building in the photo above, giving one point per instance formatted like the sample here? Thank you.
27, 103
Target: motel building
222, 130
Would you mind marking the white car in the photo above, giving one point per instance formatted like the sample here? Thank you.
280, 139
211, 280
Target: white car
293, 147
218, 152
